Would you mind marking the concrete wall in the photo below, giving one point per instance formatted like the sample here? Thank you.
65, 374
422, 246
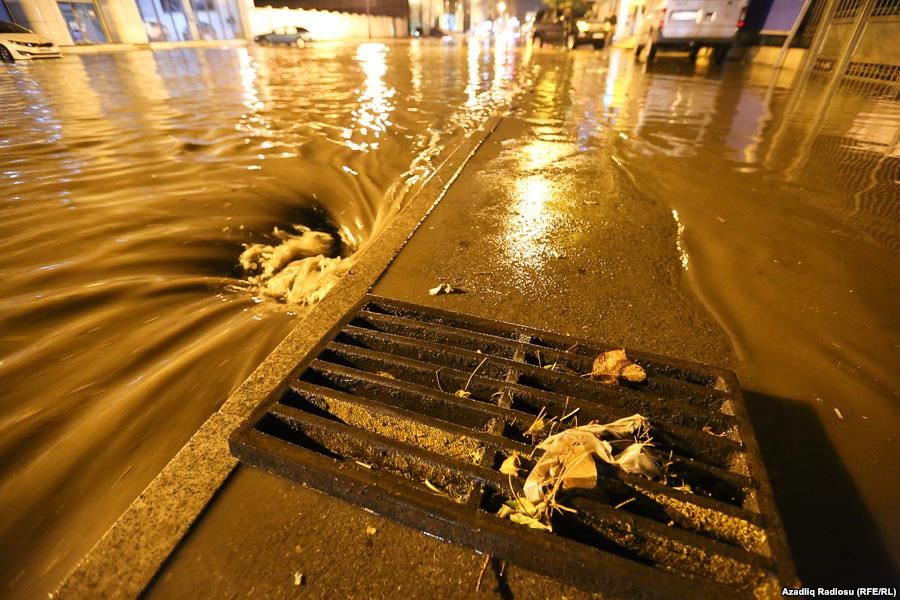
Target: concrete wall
325, 25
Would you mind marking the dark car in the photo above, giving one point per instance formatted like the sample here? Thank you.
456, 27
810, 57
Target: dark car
292, 36
552, 27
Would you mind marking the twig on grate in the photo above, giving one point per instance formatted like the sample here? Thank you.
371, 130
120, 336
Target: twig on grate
484, 566
484, 360
438, 378
621, 504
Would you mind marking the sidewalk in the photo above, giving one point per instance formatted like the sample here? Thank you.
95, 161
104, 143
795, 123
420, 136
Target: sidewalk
533, 227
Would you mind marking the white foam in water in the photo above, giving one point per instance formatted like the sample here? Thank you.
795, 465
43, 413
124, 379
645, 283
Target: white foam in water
302, 269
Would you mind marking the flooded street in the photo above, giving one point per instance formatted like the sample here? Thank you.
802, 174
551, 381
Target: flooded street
132, 182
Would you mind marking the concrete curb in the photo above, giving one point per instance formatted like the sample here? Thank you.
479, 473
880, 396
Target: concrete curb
131, 552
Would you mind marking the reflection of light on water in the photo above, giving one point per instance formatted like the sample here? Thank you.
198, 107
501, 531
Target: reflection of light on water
504, 47
415, 68
539, 154
375, 107
679, 240
247, 71
531, 221
877, 129
252, 122
474, 82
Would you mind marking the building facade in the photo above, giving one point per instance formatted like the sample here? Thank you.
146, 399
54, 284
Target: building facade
85, 22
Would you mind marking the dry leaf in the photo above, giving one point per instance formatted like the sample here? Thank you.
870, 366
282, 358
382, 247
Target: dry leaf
298, 578
462, 394
611, 366
385, 374
536, 427
511, 466
444, 288
838, 413
531, 522
371, 530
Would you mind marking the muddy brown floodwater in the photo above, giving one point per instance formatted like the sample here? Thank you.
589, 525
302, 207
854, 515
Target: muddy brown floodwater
132, 181
129, 183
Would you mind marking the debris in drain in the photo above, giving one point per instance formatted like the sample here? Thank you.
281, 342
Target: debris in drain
371, 530
568, 463
511, 466
462, 394
484, 566
301, 269
298, 578
612, 366
444, 288
537, 427
838, 413
435, 489
385, 374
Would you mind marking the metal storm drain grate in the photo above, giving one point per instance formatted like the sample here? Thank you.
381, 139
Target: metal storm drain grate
376, 419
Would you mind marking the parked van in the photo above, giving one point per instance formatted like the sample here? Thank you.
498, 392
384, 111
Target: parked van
690, 25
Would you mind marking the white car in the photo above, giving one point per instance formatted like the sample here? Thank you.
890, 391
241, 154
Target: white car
18, 43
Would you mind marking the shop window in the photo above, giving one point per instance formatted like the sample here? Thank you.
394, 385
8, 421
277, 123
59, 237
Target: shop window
216, 19
84, 22
165, 20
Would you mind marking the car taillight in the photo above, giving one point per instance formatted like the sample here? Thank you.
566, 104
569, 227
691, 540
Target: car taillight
740, 22
662, 18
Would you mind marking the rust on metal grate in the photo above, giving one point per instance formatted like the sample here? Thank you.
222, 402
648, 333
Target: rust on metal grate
373, 417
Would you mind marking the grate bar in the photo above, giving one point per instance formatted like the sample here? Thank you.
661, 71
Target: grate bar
655, 365
725, 485
623, 530
703, 396
527, 402
665, 409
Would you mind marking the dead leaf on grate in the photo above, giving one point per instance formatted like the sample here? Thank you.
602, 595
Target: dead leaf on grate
512, 464
462, 394
613, 366
537, 426
385, 374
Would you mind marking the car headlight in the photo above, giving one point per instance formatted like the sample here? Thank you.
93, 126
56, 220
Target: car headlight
583, 26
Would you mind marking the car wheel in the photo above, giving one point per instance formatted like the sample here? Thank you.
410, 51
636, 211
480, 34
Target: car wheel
637, 51
651, 52
571, 41
537, 41
5, 54
599, 44
693, 53
300, 43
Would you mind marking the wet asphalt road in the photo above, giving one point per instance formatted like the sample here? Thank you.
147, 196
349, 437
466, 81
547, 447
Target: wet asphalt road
703, 213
